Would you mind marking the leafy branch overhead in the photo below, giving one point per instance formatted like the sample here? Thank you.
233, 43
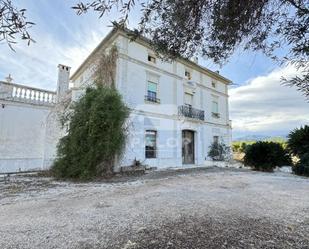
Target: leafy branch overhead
13, 23
211, 28
215, 29
105, 6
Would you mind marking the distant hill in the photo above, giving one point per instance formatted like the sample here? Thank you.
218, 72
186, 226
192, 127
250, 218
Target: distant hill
260, 138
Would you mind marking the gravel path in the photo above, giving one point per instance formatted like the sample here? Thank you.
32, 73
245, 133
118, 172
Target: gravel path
197, 208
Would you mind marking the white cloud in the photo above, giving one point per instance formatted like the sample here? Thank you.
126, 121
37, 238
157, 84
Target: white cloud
264, 106
61, 37
37, 65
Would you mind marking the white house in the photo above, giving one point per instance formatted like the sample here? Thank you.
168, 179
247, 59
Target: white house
177, 108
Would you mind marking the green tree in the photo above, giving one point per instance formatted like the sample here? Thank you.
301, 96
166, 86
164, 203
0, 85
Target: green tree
298, 144
96, 135
265, 156
211, 28
298, 141
215, 29
243, 147
235, 146
302, 166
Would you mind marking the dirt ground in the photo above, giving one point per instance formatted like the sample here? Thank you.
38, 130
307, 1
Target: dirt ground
195, 208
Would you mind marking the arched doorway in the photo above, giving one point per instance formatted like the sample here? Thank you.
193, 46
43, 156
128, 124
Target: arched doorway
188, 147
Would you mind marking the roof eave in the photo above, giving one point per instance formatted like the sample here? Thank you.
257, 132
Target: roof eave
101, 44
146, 41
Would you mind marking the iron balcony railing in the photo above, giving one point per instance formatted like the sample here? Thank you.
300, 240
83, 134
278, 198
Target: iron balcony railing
190, 112
152, 99
215, 115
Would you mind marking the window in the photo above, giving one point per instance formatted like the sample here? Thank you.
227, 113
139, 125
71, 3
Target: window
152, 87
215, 106
216, 139
213, 84
188, 99
152, 92
215, 109
151, 144
188, 74
151, 59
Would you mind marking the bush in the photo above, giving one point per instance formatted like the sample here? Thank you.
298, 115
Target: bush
298, 145
265, 156
302, 167
243, 147
95, 136
240, 146
219, 151
298, 141
235, 146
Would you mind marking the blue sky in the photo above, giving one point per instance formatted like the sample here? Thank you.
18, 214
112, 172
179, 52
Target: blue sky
63, 37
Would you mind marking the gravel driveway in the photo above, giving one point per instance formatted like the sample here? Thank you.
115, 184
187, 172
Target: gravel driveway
203, 208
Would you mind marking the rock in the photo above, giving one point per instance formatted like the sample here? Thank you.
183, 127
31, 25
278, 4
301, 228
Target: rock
129, 245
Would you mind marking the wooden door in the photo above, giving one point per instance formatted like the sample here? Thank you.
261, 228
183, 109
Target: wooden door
187, 147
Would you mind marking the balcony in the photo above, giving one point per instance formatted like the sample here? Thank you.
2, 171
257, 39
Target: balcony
152, 99
190, 112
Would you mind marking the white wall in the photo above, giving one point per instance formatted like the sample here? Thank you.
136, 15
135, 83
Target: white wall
169, 140
133, 68
53, 132
22, 134
131, 81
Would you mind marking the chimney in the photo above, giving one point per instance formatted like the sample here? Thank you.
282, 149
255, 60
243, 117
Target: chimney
63, 80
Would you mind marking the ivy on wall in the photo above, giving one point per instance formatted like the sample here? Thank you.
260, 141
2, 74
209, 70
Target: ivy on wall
96, 127
105, 67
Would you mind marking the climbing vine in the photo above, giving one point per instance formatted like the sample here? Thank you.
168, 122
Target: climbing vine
104, 69
96, 126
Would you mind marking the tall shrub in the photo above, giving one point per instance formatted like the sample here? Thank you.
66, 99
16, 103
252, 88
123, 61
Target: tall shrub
265, 156
96, 135
302, 166
298, 144
298, 141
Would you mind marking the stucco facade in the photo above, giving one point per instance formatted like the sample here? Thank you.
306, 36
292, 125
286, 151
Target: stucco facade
29, 124
133, 72
23, 114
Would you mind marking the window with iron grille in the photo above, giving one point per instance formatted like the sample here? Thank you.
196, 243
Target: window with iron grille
152, 91
151, 144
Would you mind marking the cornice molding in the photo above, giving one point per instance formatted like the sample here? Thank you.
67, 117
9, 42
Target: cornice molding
162, 71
